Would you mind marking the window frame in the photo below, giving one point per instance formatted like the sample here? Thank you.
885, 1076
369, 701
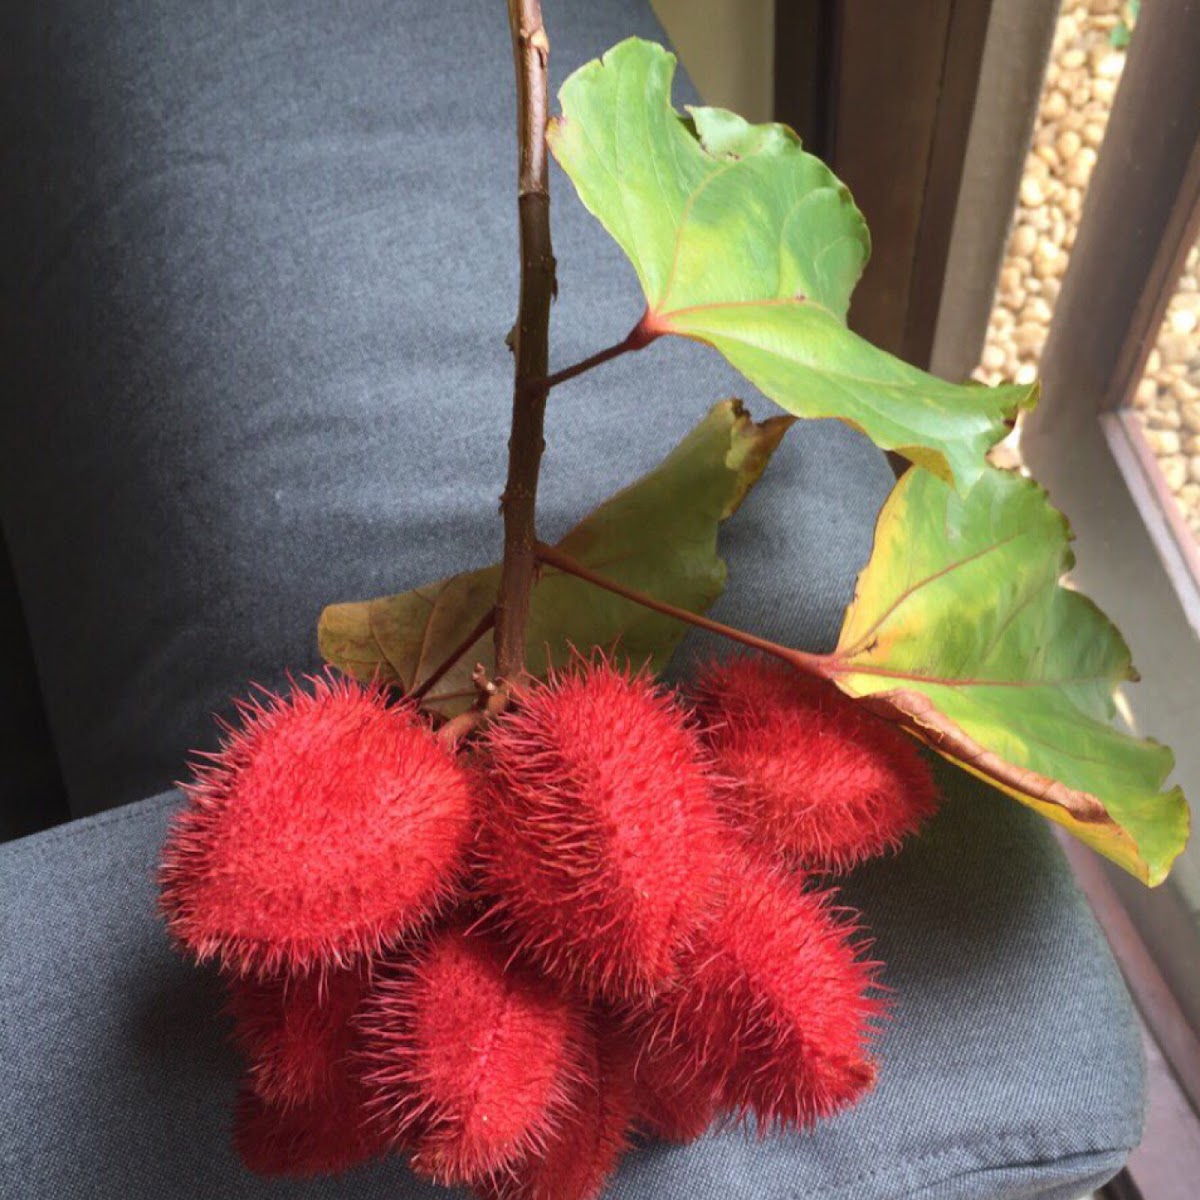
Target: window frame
1140, 217
1141, 214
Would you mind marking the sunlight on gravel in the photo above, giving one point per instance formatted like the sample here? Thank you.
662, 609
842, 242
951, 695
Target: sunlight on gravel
1081, 80
1085, 68
1168, 399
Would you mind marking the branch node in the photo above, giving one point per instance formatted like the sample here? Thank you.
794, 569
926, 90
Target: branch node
537, 40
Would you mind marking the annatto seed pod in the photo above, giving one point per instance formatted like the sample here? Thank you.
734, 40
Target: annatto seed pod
775, 1007
672, 1100
600, 840
472, 1064
297, 1033
302, 1108
319, 1137
329, 826
582, 1154
812, 775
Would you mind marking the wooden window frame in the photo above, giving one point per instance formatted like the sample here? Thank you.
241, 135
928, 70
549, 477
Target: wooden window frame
885, 94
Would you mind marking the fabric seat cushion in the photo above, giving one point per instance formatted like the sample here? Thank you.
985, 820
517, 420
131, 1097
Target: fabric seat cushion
1008, 1070
260, 262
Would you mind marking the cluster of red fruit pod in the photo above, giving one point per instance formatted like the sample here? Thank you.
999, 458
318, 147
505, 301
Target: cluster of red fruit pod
602, 916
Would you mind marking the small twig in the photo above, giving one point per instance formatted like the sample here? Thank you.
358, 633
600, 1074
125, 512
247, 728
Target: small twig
457, 728
443, 697
637, 339
483, 625
485, 686
493, 699
812, 664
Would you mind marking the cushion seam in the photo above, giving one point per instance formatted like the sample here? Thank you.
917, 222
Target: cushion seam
968, 1153
40, 841
1088, 1160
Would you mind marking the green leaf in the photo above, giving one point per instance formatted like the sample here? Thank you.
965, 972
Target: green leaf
658, 536
1122, 33
961, 630
743, 241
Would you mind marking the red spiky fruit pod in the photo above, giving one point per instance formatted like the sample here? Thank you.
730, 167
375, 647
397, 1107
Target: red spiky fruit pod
329, 826
316, 1137
811, 775
673, 1101
472, 1064
582, 1154
297, 1033
302, 1107
600, 840
776, 1008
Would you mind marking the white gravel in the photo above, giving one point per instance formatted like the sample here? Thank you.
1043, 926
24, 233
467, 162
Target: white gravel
1081, 81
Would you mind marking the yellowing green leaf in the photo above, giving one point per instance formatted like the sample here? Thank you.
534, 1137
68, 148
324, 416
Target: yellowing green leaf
658, 536
961, 630
745, 242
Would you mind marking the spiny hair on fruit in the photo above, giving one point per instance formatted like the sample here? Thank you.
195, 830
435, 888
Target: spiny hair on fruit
297, 1032
778, 1006
582, 1153
331, 824
318, 1137
473, 1063
600, 843
673, 1099
809, 775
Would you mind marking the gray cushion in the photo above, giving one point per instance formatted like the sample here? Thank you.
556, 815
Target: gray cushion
260, 260
1008, 1071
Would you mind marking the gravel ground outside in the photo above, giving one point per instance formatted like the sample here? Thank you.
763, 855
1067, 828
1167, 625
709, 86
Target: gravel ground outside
1081, 80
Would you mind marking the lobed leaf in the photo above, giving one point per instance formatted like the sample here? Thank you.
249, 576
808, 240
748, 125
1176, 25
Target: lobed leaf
961, 630
658, 536
743, 241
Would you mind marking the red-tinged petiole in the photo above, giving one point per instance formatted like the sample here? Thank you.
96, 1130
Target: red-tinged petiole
640, 336
812, 664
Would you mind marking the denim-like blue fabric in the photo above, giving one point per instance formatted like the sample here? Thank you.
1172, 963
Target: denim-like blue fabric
1009, 1069
259, 259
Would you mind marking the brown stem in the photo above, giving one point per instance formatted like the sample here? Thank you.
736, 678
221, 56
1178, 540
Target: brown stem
460, 727
812, 664
443, 697
531, 337
482, 626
